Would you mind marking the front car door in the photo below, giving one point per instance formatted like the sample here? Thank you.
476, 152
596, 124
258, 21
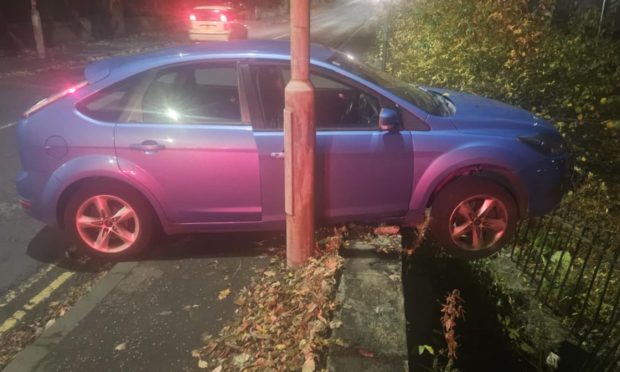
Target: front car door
186, 137
363, 174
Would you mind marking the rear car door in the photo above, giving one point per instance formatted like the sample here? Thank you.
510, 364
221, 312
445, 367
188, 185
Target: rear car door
363, 174
186, 137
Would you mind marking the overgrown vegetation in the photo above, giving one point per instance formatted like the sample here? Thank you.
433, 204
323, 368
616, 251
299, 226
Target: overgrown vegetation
515, 52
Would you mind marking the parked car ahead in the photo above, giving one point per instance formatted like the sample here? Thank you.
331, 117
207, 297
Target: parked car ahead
190, 139
216, 22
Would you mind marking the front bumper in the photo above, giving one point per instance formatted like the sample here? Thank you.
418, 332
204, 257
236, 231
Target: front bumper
546, 182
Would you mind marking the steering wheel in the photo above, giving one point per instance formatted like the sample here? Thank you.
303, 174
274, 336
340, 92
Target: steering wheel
367, 111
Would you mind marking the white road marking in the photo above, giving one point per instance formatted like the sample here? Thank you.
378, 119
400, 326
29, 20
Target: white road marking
7, 125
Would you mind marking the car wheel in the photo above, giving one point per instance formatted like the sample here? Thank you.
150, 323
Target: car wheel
473, 217
109, 220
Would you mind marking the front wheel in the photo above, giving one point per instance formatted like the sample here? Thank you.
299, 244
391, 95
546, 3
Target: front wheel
473, 217
109, 220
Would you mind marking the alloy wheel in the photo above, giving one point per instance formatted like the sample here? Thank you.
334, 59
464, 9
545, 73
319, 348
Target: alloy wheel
107, 223
478, 222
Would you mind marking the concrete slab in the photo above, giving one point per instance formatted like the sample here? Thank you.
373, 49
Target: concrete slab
373, 331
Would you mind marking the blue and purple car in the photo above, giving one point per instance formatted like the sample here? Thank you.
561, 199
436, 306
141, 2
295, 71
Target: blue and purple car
190, 139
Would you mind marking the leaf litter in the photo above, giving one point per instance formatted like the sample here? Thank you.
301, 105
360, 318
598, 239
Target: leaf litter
282, 321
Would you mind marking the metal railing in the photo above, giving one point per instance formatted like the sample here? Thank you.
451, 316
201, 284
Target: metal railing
571, 258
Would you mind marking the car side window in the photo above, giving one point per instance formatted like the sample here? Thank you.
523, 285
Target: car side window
193, 94
109, 103
337, 105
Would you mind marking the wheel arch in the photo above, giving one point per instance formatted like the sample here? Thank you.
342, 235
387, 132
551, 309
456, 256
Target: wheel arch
500, 175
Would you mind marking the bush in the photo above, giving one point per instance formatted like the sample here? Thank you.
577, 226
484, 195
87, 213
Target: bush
511, 50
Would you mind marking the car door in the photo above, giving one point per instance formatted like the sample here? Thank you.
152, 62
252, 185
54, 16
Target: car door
363, 174
187, 138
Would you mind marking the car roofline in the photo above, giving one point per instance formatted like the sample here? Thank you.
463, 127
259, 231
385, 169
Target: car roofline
251, 49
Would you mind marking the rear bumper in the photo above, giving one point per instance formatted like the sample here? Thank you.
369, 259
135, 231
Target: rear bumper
546, 182
32, 190
209, 36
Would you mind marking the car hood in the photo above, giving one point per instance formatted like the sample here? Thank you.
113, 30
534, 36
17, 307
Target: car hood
476, 112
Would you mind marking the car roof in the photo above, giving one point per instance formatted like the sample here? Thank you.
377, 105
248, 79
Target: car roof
256, 49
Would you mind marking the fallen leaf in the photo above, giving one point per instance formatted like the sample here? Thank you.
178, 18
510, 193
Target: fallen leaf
167, 312
240, 359
308, 366
387, 230
196, 353
202, 364
223, 294
366, 353
121, 347
335, 324
50, 323
239, 301
331, 263
217, 369
269, 273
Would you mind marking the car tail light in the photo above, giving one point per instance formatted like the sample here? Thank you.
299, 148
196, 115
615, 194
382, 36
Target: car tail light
192, 17
223, 18
53, 98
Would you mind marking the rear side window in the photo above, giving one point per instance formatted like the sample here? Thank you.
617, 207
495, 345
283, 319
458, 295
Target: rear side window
192, 94
108, 104
185, 94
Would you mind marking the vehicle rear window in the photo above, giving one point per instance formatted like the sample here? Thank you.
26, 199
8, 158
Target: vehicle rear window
211, 15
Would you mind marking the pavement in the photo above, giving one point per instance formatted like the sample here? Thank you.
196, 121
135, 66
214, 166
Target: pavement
149, 315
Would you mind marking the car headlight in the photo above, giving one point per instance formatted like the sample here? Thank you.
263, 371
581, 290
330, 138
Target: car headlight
548, 144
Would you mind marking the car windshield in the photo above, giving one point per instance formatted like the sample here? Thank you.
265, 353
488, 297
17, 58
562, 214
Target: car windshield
431, 102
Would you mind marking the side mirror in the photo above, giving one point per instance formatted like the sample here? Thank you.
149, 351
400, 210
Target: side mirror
389, 120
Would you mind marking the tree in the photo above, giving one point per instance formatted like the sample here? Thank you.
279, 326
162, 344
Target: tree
117, 17
37, 29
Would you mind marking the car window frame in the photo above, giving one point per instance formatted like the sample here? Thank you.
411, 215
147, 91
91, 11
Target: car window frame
137, 92
258, 115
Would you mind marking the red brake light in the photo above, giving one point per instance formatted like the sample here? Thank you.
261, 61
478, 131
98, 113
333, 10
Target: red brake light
223, 18
53, 98
192, 17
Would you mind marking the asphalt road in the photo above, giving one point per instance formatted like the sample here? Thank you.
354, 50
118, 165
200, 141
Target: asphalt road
33, 266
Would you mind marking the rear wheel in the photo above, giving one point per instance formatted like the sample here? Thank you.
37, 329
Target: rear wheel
109, 220
473, 217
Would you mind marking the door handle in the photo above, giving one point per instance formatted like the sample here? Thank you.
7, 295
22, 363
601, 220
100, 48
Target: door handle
147, 146
277, 155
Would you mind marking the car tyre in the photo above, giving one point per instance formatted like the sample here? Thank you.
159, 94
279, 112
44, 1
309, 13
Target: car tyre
109, 220
472, 217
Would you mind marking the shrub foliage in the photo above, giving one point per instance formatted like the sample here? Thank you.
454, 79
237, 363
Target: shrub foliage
512, 50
